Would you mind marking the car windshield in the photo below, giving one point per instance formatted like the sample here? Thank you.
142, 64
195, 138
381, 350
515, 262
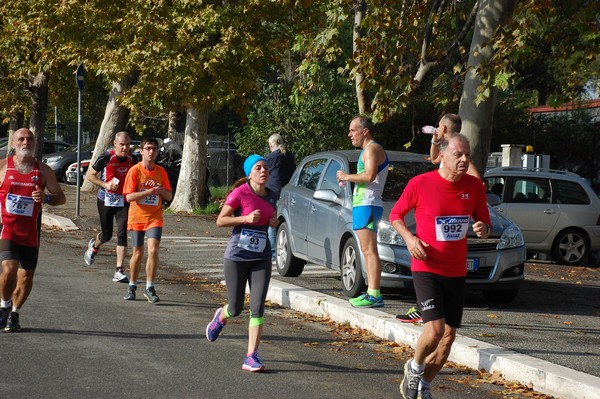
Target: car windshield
399, 173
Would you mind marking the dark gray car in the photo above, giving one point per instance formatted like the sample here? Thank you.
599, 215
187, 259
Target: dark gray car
59, 162
315, 216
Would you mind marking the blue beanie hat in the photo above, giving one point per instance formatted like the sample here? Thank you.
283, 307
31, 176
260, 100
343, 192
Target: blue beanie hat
251, 161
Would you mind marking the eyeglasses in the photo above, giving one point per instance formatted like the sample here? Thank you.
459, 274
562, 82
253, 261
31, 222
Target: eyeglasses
150, 148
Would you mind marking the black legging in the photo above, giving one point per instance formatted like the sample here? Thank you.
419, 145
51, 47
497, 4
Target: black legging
257, 274
107, 215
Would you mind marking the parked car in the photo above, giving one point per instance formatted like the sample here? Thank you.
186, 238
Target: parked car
71, 173
59, 161
50, 146
557, 211
315, 216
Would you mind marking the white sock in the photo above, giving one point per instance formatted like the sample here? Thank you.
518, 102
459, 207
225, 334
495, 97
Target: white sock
149, 284
417, 368
424, 384
16, 309
6, 304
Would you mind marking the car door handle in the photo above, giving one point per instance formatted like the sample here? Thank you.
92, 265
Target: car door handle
313, 209
549, 211
292, 201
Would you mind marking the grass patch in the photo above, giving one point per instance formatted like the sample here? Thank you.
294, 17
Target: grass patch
214, 206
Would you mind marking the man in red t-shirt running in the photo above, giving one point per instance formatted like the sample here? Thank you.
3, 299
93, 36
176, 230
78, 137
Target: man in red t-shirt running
23, 180
444, 201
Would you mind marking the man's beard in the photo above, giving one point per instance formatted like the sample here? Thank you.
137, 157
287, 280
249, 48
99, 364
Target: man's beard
25, 152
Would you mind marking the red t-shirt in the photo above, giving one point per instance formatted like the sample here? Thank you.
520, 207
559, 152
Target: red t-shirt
442, 213
20, 214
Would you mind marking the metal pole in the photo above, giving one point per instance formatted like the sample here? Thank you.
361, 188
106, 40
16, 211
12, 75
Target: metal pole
79, 79
55, 123
228, 161
79, 128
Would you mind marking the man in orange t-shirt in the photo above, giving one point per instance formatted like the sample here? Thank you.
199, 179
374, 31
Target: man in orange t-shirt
146, 187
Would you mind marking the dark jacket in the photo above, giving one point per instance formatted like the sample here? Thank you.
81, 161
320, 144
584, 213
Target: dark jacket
281, 168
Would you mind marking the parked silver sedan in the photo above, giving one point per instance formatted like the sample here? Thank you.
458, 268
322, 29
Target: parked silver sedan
315, 216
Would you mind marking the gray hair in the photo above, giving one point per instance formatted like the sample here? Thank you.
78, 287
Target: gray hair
276, 140
122, 133
461, 137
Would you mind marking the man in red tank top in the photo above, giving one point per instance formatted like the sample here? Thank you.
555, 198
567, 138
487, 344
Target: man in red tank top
23, 181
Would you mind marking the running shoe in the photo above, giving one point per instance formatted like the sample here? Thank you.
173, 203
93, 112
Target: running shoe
120, 277
412, 315
130, 293
151, 296
409, 386
3, 317
367, 301
12, 323
90, 253
213, 329
425, 393
253, 363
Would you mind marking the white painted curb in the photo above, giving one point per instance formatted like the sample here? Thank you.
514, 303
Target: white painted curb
543, 376
58, 221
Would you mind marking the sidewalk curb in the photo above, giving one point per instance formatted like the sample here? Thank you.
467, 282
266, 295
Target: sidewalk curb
542, 376
61, 222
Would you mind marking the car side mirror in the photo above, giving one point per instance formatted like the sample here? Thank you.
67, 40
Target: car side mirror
329, 196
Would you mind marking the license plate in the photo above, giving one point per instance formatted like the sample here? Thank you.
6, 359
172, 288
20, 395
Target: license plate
472, 265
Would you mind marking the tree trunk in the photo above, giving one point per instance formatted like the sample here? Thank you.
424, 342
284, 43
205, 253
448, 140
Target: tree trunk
191, 186
176, 125
38, 86
16, 121
477, 119
361, 97
115, 119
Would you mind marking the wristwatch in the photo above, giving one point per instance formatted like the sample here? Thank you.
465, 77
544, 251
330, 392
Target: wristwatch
435, 142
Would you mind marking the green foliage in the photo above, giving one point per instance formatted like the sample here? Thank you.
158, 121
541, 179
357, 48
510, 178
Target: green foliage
551, 48
316, 123
391, 56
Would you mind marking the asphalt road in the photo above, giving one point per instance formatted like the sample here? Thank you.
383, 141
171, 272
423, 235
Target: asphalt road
554, 318
80, 338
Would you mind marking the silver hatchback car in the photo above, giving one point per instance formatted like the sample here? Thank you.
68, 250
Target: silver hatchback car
557, 211
315, 216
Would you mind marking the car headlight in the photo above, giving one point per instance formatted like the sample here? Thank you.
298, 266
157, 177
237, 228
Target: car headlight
54, 159
511, 238
386, 234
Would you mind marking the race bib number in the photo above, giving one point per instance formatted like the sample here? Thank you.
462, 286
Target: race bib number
19, 205
252, 240
151, 199
451, 228
111, 199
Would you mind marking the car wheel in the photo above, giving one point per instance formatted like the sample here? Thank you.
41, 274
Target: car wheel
353, 282
500, 296
571, 247
287, 264
64, 174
